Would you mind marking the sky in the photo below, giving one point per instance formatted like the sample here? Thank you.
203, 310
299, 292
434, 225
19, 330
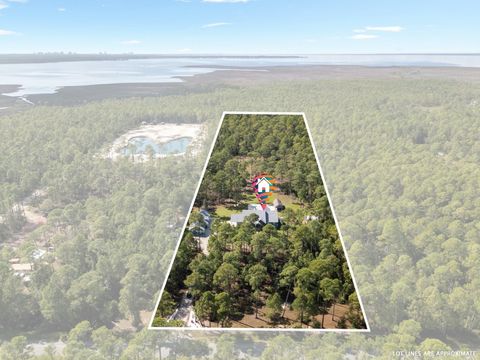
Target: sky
240, 26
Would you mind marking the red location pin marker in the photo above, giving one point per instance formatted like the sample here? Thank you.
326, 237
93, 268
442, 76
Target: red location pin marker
263, 185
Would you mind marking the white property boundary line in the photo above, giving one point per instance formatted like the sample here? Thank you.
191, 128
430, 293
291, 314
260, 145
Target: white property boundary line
150, 327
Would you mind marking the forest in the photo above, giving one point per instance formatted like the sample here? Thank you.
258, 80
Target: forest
249, 145
401, 160
300, 266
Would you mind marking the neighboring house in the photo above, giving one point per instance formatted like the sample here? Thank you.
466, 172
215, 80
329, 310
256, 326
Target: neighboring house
22, 267
263, 185
199, 229
206, 216
38, 254
22, 270
267, 216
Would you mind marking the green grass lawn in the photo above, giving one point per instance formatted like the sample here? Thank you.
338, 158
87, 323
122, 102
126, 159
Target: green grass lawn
289, 201
223, 211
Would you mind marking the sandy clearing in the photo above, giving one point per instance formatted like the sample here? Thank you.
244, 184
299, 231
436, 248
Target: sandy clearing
159, 133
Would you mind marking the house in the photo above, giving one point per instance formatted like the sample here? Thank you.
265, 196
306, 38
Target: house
22, 267
263, 185
22, 270
267, 216
206, 216
199, 228
38, 254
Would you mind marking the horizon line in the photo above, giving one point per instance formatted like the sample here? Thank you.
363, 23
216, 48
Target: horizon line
70, 53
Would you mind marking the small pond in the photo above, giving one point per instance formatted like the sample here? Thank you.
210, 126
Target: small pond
139, 145
176, 146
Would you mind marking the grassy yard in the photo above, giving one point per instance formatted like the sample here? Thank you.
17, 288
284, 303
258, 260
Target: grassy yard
289, 201
223, 211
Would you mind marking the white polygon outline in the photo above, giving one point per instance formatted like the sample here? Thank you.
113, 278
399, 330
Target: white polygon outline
150, 327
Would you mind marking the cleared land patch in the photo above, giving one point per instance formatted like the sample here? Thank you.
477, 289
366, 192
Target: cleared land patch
156, 141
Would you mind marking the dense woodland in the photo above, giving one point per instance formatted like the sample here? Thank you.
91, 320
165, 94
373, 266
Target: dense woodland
401, 159
248, 145
301, 264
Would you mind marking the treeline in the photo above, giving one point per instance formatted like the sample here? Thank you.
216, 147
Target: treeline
85, 342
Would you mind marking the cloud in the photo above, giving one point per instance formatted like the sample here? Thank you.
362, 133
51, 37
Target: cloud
366, 32
4, 32
130, 42
61, 9
363, 37
215, 25
384, 28
4, 5
184, 50
225, 1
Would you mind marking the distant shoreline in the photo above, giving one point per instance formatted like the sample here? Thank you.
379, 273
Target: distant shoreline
60, 57
243, 77
55, 58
